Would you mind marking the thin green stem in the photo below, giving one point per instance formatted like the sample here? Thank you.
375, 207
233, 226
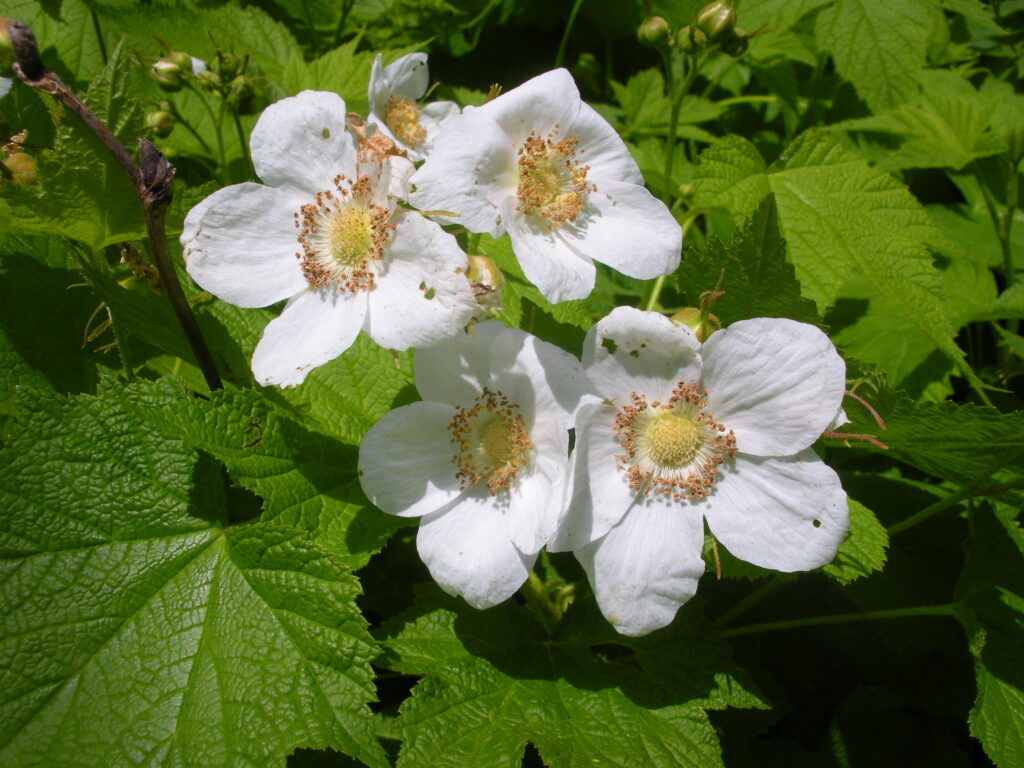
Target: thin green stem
242, 142
179, 118
216, 125
99, 34
973, 489
676, 95
652, 300
536, 595
122, 345
749, 601
346, 9
843, 618
756, 99
560, 56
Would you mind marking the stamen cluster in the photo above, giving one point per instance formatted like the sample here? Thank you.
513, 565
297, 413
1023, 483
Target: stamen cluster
342, 233
552, 184
402, 116
674, 448
493, 442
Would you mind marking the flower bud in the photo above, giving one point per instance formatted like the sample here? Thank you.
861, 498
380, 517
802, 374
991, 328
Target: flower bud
654, 32
208, 81
225, 64
485, 277
16, 165
167, 75
161, 122
717, 20
737, 45
6, 49
240, 94
690, 39
703, 324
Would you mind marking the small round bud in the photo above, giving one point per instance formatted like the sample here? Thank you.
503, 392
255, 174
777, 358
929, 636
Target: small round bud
225, 64
737, 45
208, 81
167, 75
161, 122
16, 165
717, 20
240, 94
691, 40
654, 32
702, 324
6, 49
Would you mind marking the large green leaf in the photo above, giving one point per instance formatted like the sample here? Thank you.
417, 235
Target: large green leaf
863, 550
839, 216
137, 629
991, 594
494, 682
878, 46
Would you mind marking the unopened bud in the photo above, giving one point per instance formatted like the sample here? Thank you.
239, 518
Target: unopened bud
16, 165
167, 75
691, 40
208, 81
737, 45
225, 64
702, 324
161, 122
240, 94
717, 20
486, 279
6, 49
654, 32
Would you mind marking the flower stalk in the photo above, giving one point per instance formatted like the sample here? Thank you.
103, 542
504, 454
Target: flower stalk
152, 177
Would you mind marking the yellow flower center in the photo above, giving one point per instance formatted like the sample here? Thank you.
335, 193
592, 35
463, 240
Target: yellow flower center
672, 448
402, 117
552, 185
492, 442
342, 235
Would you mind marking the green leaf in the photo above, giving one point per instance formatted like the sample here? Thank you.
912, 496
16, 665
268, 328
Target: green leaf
137, 629
991, 601
946, 125
838, 216
878, 46
342, 71
863, 550
306, 479
494, 681
754, 274
82, 192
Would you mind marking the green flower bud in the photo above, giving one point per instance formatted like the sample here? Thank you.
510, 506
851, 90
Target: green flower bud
167, 75
208, 81
738, 44
161, 122
240, 94
702, 324
691, 40
654, 32
225, 64
16, 165
6, 49
717, 20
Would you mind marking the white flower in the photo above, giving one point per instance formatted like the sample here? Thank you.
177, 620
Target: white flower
545, 167
5, 86
689, 432
327, 235
483, 459
198, 65
394, 94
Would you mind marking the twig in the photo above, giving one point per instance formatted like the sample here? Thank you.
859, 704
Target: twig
153, 178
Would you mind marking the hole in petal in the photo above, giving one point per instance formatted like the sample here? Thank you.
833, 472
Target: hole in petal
609, 344
325, 133
817, 523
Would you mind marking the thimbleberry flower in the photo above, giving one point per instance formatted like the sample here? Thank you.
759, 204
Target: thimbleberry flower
688, 432
327, 234
395, 91
538, 163
482, 460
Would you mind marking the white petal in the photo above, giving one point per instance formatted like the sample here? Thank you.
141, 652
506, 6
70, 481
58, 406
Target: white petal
377, 92
469, 551
537, 498
470, 171
407, 76
406, 462
5, 86
314, 327
420, 261
545, 381
601, 492
787, 514
433, 118
456, 370
777, 383
626, 227
646, 566
239, 244
838, 420
558, 270
651, 355
536, 106
302, 142
602, 149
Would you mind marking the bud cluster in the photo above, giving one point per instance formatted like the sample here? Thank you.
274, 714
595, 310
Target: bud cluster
714, 24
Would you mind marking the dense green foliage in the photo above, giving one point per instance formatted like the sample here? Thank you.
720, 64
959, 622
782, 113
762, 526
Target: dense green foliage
196, 578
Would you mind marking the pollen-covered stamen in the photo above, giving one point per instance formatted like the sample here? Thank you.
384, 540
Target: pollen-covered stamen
673, 448
402, 117
552, 183
492, 443
342, 233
